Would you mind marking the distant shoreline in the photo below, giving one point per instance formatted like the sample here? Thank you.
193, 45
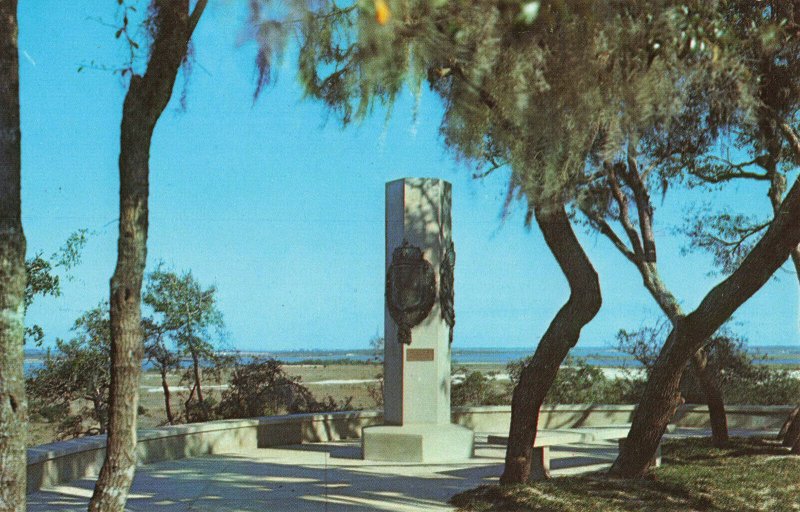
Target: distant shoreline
604, 357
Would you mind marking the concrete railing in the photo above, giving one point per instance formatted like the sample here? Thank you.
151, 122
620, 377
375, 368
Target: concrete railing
64, 461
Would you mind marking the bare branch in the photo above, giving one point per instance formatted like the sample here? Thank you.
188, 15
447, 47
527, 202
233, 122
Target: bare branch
195, 17
624, 215
730, 171
603, 227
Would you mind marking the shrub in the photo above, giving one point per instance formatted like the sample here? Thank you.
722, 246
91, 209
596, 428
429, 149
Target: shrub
475, 389
578, 382
262, 388
741, 379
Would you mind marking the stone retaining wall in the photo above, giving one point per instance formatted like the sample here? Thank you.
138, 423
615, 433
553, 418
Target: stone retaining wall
64, 461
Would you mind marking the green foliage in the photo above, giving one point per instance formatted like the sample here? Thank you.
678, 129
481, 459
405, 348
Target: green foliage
72, 386
186, 315
741, 379
729, 238
578, 382
43, 280
261, 388
551, 88
476, 389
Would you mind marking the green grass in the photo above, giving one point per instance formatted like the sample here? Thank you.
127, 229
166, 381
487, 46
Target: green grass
750, 475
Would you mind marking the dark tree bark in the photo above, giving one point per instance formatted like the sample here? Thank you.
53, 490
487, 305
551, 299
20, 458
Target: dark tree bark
662, 395
147, 98
642, 253
538, 375
13, 405
165, 387
699, 361
196, 370
714, 399
790, 431
787, 424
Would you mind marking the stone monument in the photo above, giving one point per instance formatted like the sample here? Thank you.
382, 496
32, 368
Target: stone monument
418, 327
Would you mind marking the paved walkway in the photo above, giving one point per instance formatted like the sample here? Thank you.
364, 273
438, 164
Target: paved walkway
323, 477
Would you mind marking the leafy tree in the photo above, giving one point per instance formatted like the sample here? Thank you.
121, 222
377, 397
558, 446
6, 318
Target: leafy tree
77, 374
764, 152
165, 360
187, 314
762, 36
13, 405
558, 95
43, 279
171, 24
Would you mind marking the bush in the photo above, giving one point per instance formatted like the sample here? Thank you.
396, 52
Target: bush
475, 389
741, 379
262, 388
578, 382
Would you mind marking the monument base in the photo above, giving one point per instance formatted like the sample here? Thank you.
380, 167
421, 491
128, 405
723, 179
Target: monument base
417, 443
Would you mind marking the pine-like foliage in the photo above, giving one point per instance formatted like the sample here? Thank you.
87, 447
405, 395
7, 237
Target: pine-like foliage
552, 88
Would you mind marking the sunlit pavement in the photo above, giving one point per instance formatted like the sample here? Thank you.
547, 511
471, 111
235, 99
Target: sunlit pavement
316, 477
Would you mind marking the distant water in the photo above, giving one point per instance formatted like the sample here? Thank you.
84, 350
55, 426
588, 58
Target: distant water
596, 356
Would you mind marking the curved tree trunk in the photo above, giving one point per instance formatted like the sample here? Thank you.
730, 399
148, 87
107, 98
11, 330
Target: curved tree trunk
13, 406
562, 334
147, 98
662, 395
699, 361
790, 431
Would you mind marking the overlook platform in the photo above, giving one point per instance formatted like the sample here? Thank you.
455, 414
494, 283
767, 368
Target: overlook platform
318, 477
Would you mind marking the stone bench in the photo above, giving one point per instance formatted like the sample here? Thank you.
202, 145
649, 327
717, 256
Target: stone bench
545, 438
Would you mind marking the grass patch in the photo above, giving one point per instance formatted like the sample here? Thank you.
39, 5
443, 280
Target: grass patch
750, 475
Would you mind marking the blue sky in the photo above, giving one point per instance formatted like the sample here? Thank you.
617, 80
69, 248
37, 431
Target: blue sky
283, 211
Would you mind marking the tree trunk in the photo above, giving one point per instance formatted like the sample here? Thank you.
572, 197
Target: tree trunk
147, 98
706, 379
790, 431
562, 334
13, 406
787, 424
661, 395
714, 400
196, 363
165, 387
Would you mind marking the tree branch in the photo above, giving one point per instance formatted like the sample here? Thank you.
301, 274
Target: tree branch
624, 215
603, 227
194, 18
793, 138
732, 172
634, 180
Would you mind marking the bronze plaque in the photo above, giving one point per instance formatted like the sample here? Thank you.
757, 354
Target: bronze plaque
419, 354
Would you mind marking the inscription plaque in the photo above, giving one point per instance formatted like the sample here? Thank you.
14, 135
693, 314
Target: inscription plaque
419, 354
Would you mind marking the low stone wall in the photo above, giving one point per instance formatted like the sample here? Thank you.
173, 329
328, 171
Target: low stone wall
498, 418
64, 461
60, 462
